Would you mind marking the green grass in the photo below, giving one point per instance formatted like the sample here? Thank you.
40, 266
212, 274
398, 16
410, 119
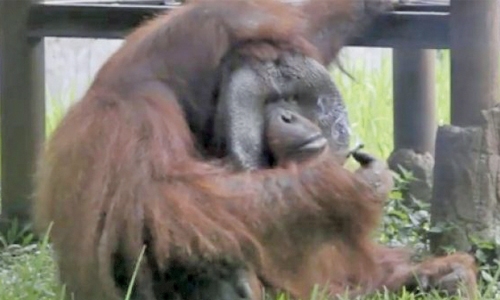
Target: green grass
28, 272
369, 100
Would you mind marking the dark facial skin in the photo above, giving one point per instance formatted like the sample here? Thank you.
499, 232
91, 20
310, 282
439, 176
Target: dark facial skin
291, 137
297, 84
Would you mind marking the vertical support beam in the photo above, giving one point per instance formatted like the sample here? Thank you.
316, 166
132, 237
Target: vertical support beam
22, 108
475, 59
414, 99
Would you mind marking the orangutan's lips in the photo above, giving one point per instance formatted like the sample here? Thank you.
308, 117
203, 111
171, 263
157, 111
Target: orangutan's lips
313, 143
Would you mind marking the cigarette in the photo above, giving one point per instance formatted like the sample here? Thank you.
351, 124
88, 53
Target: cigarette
355, 149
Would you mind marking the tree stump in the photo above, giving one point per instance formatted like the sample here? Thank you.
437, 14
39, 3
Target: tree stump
466, 183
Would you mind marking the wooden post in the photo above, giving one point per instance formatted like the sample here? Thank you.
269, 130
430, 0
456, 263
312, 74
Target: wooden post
475, 59
22, 108
414, 99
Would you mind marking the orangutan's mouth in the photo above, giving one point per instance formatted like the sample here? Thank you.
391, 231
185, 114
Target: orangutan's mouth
313, 143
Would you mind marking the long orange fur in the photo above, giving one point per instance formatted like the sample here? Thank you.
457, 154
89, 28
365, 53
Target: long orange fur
124, 162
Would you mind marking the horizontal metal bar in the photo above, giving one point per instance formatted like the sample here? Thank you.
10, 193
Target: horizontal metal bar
401, 28
89, 20
423, 8
407, 29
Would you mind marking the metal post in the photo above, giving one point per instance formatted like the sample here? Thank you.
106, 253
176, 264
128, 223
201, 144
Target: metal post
475, 59
22, 108
414, 99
